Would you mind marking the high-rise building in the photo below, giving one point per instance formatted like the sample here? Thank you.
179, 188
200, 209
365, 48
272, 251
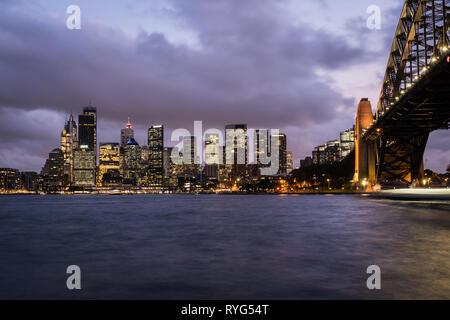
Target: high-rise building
212, 155
68, 144
131, 162
109, 159
84, 167
262, 146
30, 180
87, 129
126, 134
191, 161
9, 179
289, 162
236, 149
156, 154
53, 170
189, 150
171, 169
347, 142
280, 150
332, 152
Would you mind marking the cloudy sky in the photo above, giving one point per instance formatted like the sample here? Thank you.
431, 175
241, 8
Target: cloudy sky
299, 66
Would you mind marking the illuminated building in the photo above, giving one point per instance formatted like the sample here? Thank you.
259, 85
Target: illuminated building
109, 159
262, 147
156, 154
84, 167
87, 145
68, 144
171, 169
236, 149
53, 170
126, 134
87, 129
280, 150
289, 162
191, 166
212, 155
131, 162
9, 179
347, 142
332, 152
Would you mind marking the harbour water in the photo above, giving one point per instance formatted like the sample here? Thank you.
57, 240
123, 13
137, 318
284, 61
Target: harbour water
223, 247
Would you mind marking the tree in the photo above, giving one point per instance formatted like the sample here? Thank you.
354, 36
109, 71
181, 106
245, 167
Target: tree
448, 168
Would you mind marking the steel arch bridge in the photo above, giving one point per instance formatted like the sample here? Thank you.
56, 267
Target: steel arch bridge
414, 99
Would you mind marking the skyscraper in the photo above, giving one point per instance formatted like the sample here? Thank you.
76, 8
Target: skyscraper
281, 151
212, 155
109, 155
53, 170
87, 129
289, 162
84, 167
68, 144
131, 159
84, 171
236, 148
262, 147
126, 134
156, 154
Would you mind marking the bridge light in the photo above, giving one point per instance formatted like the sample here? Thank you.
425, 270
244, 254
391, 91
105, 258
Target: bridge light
416, 78
444, 49
433, 60
402, 92
397, 98
409, 85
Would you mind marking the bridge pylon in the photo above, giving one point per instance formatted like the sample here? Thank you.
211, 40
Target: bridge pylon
365, 151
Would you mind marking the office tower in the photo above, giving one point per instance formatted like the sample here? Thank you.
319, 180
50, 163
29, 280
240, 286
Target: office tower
87, 129
84, 167
171, 169
212, 155
156, 154
189, 150
280, 151
131, 161
29, 180
109, 159
68, 144
262, 146
87, 146
347, 142
191, 166
318, 155
9, 179
332, 152
126, 134
289, 162
236, 148
53, 170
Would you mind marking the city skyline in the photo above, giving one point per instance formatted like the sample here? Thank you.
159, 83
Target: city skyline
306, 88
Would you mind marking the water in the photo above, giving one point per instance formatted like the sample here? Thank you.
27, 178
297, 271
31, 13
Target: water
223, 247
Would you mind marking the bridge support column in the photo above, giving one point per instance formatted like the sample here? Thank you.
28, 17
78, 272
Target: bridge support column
365, 153
372, 163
